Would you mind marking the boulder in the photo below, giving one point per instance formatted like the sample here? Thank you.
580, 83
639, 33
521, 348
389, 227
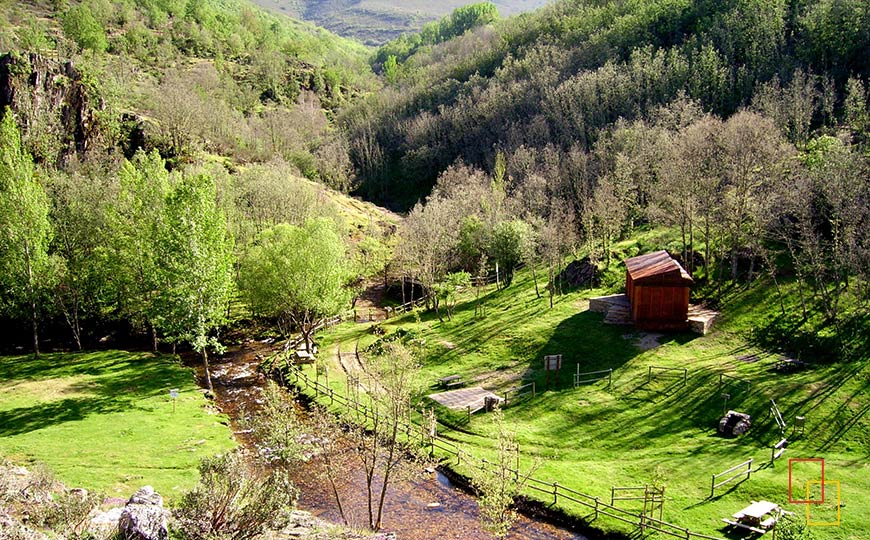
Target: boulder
144, 518
146, 495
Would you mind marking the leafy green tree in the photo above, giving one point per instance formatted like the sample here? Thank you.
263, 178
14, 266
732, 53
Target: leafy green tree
297, 275
26, 269
80, 25
448, 289
391, 69
508, 245
196, 255
136, 222
81, 235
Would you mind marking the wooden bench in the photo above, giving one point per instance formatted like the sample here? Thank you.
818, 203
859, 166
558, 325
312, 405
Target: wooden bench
451, 381
789, 364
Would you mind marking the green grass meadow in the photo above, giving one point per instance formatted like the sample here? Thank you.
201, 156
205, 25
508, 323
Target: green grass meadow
105, 421
642, 430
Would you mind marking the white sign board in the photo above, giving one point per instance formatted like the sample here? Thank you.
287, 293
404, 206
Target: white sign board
553, 362
173, 393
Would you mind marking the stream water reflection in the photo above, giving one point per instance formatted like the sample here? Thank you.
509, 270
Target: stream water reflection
422, 507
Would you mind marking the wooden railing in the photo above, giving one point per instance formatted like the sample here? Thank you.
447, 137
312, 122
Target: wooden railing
560, 493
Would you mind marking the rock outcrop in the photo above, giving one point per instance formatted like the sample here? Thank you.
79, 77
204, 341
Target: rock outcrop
144, 517
52, 97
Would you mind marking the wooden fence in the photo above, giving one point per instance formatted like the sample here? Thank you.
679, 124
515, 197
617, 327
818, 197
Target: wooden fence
595, 377
747, 472
419, 437
519, 392
684, 371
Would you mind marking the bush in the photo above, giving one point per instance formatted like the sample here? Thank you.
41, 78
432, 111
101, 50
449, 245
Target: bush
233, 502
80, 25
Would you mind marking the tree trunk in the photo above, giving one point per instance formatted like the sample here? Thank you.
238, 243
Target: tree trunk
31, 292
153, 337
207, 372
535, 279
35, 329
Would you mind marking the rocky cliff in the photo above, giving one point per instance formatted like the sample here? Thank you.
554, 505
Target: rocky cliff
57, 112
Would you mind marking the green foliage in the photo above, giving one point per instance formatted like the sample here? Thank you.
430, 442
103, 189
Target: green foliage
557, 80
136, 221
196, 259
508, 246
462, 20
297, 275
233, 501
448, 289
80, 25
27, 271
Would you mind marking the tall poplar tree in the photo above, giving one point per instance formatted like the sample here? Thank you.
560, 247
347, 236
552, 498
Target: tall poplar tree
196, 256
25, 231
136, 222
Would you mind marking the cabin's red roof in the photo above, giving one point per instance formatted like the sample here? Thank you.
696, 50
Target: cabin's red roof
657, 266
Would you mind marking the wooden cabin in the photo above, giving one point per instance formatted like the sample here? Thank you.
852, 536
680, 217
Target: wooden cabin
658, 290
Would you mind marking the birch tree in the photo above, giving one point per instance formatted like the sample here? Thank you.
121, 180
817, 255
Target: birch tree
196, 255
26, 269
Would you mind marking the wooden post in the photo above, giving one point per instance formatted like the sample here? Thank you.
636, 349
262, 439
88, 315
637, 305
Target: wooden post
555, 492
596, 507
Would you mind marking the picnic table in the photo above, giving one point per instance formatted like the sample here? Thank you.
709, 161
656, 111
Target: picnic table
758, 517
450, 381
304, 357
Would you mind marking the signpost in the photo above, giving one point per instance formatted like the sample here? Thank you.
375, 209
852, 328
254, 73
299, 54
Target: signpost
173, 395
552, 362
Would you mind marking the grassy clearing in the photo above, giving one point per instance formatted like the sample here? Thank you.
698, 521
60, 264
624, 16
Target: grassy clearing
638, 431
104, 420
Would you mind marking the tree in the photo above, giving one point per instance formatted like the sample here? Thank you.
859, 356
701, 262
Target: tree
276, 428
752, 149
81, 234
136, 222
26, 269
297, 275
448, 289
391, 384
80, 25
508, 246
196, 254
498, 483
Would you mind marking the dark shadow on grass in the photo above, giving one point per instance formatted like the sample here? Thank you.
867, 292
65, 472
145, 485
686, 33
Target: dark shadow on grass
27, 419
116, 382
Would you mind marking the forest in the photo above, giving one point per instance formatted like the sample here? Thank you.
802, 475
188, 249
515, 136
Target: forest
142, 139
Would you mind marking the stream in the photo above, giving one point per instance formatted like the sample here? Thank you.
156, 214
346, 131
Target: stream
424, 506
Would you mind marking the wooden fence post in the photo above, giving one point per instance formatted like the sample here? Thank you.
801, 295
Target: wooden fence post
555, 492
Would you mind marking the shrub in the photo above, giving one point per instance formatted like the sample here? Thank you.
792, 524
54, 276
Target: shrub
233, 502
80, 25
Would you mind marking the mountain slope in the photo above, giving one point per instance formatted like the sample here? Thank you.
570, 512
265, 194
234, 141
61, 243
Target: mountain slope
559, 77
376, 21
